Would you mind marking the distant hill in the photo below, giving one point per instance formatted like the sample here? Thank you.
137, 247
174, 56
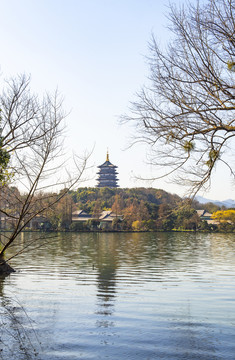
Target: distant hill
228, 203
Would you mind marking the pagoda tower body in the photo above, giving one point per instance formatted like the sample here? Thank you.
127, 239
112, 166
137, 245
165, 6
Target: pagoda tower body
107, 174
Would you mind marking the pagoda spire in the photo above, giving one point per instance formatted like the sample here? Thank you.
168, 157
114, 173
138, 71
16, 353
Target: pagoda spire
107, 156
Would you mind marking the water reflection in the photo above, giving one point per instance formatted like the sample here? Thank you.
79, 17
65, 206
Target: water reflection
106, 282
1, 286
192, 339
18, 339
130, 296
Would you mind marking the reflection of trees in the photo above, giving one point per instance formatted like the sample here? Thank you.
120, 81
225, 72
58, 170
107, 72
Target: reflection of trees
108, 252
1, 286
113, 265
18, 339
106, 265
106, 283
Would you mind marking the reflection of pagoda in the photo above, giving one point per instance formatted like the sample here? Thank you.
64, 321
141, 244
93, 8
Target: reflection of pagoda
107, 174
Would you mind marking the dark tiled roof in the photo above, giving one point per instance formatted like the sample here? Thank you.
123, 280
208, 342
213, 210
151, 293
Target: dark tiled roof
107, 164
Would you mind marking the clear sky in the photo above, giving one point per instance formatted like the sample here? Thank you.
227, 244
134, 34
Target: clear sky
94, 52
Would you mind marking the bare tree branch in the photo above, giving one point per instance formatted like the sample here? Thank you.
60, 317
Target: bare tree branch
32, 134
186, 114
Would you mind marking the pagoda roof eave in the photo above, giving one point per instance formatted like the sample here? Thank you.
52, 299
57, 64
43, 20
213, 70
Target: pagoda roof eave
107, 164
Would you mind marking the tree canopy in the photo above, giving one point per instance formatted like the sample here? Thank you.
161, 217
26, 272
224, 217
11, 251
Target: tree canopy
186, 112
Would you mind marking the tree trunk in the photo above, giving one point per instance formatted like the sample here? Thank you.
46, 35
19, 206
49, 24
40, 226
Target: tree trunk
5, 269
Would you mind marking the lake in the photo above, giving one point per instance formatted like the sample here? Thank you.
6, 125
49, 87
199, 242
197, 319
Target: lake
120, 296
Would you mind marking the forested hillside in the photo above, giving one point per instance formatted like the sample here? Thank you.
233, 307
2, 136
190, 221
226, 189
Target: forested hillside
134, 209
143, 209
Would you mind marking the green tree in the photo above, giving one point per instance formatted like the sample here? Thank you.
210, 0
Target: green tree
116, 224
168, 223
142, 211
186, 217
97, 209
150, 225
165, 218
186, 112
210, 207
4, 158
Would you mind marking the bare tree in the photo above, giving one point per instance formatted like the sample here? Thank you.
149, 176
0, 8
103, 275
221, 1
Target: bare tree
32, 136
186, 114
4, 158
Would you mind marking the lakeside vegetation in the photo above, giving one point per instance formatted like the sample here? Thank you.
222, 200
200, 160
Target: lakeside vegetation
134, 209
149, 209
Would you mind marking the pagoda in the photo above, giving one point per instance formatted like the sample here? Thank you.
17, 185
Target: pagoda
107, 174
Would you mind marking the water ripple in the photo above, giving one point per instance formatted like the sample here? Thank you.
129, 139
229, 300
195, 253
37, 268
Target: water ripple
127, 296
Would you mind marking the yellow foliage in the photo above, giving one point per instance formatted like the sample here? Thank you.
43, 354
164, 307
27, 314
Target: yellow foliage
136, 225
231, 65
224, 216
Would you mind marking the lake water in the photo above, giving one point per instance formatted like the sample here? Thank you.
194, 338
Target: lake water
121, 296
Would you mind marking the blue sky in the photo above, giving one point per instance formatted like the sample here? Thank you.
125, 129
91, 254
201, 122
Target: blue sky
94, 52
